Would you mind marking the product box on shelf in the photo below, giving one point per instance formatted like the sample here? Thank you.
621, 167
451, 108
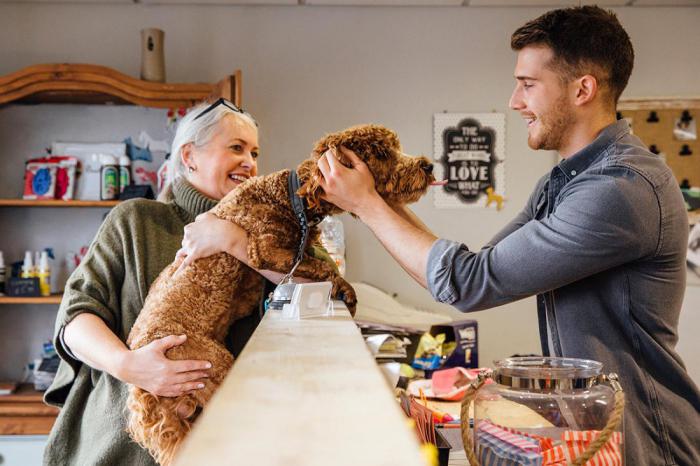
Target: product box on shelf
50, 178
22, 287
90, 157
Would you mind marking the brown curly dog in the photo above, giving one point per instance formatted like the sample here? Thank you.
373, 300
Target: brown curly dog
204, 299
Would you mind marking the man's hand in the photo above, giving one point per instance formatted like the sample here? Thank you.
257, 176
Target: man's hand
351, 189
209, 235
406, 238
149, 369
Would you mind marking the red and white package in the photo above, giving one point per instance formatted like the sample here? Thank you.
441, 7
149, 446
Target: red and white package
50, 178
39, 179
65, 177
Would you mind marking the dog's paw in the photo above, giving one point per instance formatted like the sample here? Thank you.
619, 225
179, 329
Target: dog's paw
344, 291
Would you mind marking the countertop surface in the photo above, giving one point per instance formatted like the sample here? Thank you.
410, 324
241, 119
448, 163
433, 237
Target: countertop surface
303, 392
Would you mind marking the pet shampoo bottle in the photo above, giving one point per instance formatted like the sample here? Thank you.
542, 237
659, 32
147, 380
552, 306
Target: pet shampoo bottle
28, 265
109, 177
44, 274
124, 172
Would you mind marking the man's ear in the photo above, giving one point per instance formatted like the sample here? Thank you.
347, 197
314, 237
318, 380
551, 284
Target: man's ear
586, 89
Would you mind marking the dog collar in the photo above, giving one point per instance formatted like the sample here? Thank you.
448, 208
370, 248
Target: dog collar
299, 205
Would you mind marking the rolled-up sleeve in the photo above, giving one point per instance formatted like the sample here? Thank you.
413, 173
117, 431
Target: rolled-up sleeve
601, 221
441, 283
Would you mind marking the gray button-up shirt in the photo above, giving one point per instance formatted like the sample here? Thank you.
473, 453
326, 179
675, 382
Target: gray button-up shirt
602, 243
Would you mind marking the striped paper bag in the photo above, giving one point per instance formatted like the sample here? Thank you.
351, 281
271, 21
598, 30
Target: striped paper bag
545, 442
499, 447
576, 442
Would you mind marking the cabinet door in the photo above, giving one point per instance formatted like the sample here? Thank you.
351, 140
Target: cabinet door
22, 450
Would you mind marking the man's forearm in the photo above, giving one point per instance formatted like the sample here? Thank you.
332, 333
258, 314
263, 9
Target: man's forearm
408, 215
403, 235
91, 341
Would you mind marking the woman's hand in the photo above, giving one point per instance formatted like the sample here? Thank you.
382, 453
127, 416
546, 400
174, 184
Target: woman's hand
149, 369
209, 235
351, 189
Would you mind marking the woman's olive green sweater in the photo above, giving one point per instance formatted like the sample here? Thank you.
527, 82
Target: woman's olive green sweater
137, 240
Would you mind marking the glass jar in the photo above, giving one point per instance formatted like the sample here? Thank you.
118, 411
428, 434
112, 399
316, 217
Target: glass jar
547, 411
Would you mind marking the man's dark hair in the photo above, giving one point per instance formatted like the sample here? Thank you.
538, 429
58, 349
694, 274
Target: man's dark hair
584, 40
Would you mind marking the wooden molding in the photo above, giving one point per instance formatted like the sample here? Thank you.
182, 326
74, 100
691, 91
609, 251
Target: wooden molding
94, 84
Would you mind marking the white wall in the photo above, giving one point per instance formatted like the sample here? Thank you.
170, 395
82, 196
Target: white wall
310, 70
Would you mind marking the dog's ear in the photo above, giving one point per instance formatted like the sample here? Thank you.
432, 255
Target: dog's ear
391, 183
311, 189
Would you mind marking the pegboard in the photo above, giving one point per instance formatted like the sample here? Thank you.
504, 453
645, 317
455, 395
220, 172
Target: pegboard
660, 133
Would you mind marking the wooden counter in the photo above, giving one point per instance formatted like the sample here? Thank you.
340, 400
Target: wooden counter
303, 392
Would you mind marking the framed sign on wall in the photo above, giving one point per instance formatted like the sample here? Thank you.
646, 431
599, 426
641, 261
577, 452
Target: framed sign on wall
469, 149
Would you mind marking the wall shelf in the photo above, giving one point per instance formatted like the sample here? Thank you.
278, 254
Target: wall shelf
71, 85
53, 299
54, 203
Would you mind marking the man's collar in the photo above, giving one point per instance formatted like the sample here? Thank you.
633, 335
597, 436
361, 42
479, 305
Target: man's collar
584, 158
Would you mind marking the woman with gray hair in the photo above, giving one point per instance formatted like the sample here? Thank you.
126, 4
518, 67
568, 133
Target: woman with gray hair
215, 149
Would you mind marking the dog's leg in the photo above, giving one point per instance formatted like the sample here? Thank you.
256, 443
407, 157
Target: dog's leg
264, 254
318, 269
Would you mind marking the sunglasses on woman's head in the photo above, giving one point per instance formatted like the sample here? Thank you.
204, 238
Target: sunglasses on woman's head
227, 104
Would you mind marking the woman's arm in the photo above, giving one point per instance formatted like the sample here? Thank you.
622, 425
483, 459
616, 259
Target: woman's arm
209, 235
92, 342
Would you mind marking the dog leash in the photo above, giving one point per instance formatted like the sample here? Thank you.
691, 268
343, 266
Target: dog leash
299, 206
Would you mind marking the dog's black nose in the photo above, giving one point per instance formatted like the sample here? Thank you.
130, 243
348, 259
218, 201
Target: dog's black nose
428, 168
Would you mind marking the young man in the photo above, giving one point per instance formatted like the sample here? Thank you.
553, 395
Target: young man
601, 241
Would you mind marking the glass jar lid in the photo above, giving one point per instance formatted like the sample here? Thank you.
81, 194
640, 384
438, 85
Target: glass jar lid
543, 373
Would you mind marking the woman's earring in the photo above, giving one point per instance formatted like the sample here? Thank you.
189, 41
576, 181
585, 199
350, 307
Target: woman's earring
191, 169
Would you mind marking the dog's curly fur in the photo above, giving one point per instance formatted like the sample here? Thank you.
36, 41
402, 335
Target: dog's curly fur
209, 295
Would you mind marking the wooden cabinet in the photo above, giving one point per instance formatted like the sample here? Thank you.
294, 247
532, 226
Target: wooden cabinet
24, 412
93, 84
84, 85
